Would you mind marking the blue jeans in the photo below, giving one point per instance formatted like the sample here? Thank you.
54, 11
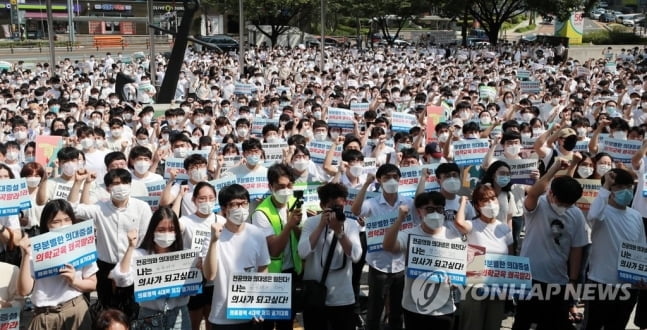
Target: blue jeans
517, 226
174, 319
379, 284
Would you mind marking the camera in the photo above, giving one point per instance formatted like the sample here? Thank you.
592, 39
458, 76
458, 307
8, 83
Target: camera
298, 194
339, 212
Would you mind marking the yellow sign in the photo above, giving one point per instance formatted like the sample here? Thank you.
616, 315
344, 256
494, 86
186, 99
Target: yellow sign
13, 2
573, 28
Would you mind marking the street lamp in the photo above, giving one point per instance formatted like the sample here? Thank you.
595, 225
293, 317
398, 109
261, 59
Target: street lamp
241, 46
323, 34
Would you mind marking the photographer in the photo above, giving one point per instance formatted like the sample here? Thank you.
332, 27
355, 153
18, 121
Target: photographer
318, 233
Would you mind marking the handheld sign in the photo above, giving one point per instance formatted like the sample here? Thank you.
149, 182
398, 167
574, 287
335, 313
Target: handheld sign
632, 263
621, 150
359, 108
167, 275
470, 152
378, 224
530, 87
257, 186
46, 147
274, 152
152, 201
156, 188
175, 164
343, 118
437, 256
244, 89
500, 269
590, 190
10, 318
403, 122
266, 295
521, 169
435, 115
14, 196
73, 245
318, 151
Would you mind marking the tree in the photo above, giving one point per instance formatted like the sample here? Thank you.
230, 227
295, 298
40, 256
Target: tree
493, 13
561, 9
394, 13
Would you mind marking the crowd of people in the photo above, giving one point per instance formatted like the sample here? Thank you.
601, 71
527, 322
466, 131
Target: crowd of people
116, 146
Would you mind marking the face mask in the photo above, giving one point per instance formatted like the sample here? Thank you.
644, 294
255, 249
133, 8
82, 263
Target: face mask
334, 135
48, 122
451, 185
95, 122
644, 106
142, 142
554, 102
356, 170
585, 171
238, 215
391, 186
443, 137
99, 144
12, 156
623, 197
164, 240
513, 150
87, 143
180, 152
527, 117
569, 143
223, 130
206, 207
465, 116
317, 114
165, 137
490, 210
116, 133
602, 169
199, 174
434, 220
502, 180
242, 131
120, 192
581, 131
620, 135
560, 210
142, 166
128, 116
300, 165
320, 136
253, 160
282, 196
20, 135
55, 108
70, 168
33, 181
611, 110
273, 139
486, 120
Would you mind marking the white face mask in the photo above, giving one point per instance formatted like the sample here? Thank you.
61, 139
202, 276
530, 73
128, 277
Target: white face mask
164, 240
87, 143
206, 207
585, 171
180, 152
451, 185
242, 132
443, 137
391, 186
282, 196
490, 210
116, 133
300, 165
320, 136
33, 181
356, 170
602, 169
238, 215
434, 220
199, 174
513, 150
70, 168
620, 135
120, 192
142, 166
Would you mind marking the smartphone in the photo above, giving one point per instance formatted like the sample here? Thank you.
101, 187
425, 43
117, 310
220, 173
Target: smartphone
298, 194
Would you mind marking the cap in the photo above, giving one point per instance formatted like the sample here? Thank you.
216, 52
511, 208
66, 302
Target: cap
566, 132
434, 150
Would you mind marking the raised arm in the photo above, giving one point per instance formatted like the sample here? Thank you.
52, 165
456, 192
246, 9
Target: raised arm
593, 143
356, 208
463, 226
390, 242
541, 185
25, 280
210, 265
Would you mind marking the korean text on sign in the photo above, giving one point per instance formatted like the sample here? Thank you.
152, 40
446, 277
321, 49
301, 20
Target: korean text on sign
263, 295
14, 196
520, 170
590, 190
343, 118
632, 264
621, 150
470, 152
167, 275
10, 318
175, 164
500, 269
256, 185
431, 255
378, 224
74, 245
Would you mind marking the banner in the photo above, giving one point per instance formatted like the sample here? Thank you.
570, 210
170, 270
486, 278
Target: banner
632, 263
470, 152
378, 224
167, 275
502, 269
435, 115
411, 177
175, 164
403, 122
245, 89
264, 295
274, 152
591, 188
73, 245
437, 256
621, 150
359, 108
155, 188
520, 170
530, 87
46, 148
318, 151
10, 318
343, 118
257, 186
14, 196
581, 146
229, 162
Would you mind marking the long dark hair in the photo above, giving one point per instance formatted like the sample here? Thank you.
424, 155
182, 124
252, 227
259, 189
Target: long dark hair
162, 213
50, 211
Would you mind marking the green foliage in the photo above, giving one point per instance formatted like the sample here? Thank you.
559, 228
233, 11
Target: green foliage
34, 44
561, 9
530, 27
615, 36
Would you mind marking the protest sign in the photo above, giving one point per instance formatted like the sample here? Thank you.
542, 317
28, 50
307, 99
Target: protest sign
502, 269
220, 184
153, 202
264, 295
318, 151
274, 152
521, 169
244, 89
435, 115
530, 87
258, 124
581, 146
437, 256
352, 194
73, 245
155, 188
378, 224
257, 186
229, 162
14, 196
359, 108
590, 190
582, 71
175, 164
523, 74
621, 150
167, 275
470, 152
411, 177
343, 118
46, 148
403, 122
632, 263
10, 318
610, 67
487, 93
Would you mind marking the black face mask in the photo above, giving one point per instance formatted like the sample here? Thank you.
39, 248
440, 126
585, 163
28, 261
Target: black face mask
569, 143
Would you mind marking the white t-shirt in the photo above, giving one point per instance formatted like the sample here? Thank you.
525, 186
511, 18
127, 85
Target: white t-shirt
640, 203
451, 208
148, 178
549, 252
54, 290
59, 188
244, 251
196, 230
495, 236
610, 228
94, 162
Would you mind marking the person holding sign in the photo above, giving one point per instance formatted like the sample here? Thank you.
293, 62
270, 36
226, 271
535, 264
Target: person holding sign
638, 164
58, 300
162, 235
612, 222
495, 236
329, 232
555, 234
70, 160
234, 247
432, 305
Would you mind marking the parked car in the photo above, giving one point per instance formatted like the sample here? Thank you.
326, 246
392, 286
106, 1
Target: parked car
595, 13
631, 22
607, 17
222, 41
603, 4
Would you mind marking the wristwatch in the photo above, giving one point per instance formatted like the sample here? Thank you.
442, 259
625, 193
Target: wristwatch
340, 235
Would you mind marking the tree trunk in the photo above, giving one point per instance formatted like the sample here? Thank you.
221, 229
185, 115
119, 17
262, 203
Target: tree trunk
493, 32
464, 27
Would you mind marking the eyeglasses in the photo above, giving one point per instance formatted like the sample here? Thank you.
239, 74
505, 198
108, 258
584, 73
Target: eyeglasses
438, 209
234, 205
